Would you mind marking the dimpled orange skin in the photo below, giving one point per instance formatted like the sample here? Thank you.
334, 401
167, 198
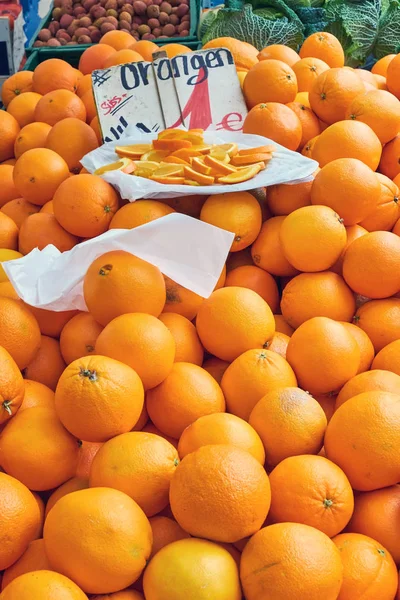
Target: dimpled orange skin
323, 354
165, 531
107, 394
376, 380
119, 533
363, 438
233, 320
12, 386
221, 493
333, 92
139, 464
365, 345
250, 376
369, 570
188, 347
311, 490
19, 331
192, 568
388, 358
380, 319
33, 559
291, 560
42, 585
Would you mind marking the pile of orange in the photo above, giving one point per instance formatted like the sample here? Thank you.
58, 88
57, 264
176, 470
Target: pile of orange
166, 446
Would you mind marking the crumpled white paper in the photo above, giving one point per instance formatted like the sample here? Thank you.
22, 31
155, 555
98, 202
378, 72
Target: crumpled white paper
187, 250
285, 167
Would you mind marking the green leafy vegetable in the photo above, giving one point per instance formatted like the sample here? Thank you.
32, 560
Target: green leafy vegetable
388, 38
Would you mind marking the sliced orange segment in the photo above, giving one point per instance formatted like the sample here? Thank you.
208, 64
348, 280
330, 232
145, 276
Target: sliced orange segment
199, 177
191, 182
250, 159
125, 165
259, 150
186, 153
168, 180
147, 164
198, 165
134, 151
171, 145
195, 138
203, 148
154, 155
175, 160
168, 170
201, 131
218, 165
220, 154
240, 175
232, 149
172, 134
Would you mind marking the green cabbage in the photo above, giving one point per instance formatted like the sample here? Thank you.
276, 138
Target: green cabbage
388, 38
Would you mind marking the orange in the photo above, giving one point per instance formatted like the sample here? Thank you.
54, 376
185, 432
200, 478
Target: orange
349, 187
369, 569
8, 233
367, 78
128, 594
57, 105
290, 422
188, 347
233, 320
87, 452
279, 344
33, 559
381, 66
238, 212
50, 322
390, 165
20, 519
376, 514
325, 46
117, 39
121, 57
115, 525
14, 86
7, 290
238, 259
85, 204
43, 584
85, 83
279, 52
54, 74
333, 92
139, 464
311, 490
90, 106
146, 48
48, 364
392, 75
267, 251
141, 341
38, 173
22, 108
31, 136
221, 428
189, 392
368, 416
251, 376
387, 211
378, 109
72, 139
95, 125
216, 367
94, 58
348, 139
192, 568
165, 532
72, 485
307, 70
245, 55
308, 148
36, 449
19, 210
118, 282
379, 320
276, 122
78, 337
221, 493
37, 394
41, 229
371, 381
306, 564
365, 345
388, 358
352, 233
9, 130
19, 331
48, 207
258, 280
188, 205
317, 295
310, 124
369, 265
151, 428
108, 395
270, 81
323, 354
313, 238
380, 82
138, 213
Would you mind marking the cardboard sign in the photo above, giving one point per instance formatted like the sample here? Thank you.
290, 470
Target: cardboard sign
197, 90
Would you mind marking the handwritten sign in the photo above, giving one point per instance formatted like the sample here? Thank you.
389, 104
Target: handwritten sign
197, 90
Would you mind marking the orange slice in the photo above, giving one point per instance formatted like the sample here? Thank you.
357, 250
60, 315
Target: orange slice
175, 160
198, 165
191, 182
261, 164
134, 151
232, 149
259, 150
168, 170
168, 180
186, 153
172, 134
250, 159
195, 138
220, 154
218, 165
240, 176
125, 165
154, 155
201, 131
203, 148
171, 145
199, 177
147, 164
